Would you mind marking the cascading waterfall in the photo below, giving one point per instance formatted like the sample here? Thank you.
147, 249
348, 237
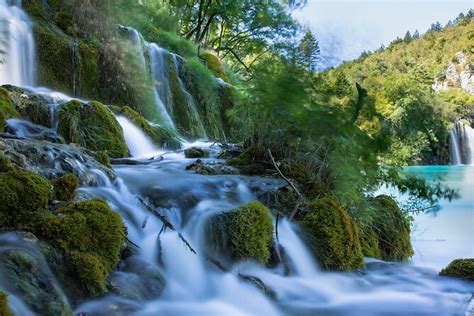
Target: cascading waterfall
138, 143
462, 144
18, 66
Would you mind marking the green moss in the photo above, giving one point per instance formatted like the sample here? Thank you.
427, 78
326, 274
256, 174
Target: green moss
332, 236
161, 136
5, 164
173, 42
215, 65
7, 109
87, 78
310, 184
195, 152
34, 8
65, 187
92, 126
24, 195
391, 228
91, 235
243, 233
102, 157
460, 268
4, 309
249, 162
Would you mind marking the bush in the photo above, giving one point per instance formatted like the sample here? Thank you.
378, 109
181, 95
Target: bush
460, 268
332, 236
243, 233
92, 126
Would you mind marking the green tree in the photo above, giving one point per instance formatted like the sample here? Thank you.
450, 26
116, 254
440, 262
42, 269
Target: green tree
308, 52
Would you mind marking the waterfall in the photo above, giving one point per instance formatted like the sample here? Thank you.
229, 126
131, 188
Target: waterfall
18, 60
138, 143
462, 144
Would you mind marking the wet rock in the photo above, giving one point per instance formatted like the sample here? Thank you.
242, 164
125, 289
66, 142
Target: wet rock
54, 160
24, 273
214, 167
460, 268
196, 152
26, 129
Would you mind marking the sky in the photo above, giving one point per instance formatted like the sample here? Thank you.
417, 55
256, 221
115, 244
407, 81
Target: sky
346, 28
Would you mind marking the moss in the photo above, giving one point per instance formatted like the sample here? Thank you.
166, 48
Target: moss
65, 187
34, 8
31, 108
7, 109
332, 236
102, 157
92, 126
310, 184
243, 233
91, 235
249, 162
4, 309
195, 152
172, 42
215, 65
5, 164
161, 136
87, 83
460, 268
391, 228
23, 194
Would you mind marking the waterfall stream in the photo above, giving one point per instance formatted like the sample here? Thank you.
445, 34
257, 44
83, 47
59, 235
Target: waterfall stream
462, 144
138, 143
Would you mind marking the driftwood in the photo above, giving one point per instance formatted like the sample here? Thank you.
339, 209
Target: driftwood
166, 222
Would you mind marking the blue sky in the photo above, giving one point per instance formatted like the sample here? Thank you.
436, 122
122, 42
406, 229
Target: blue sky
345, 28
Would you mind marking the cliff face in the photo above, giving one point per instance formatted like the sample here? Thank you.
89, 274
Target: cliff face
459, 74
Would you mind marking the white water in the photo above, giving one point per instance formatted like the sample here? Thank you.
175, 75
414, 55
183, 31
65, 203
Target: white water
462, 144
138, 143
17, 43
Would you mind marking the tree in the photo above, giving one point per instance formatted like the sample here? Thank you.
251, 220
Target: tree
436, 27
416, 34
407, 37
308, 52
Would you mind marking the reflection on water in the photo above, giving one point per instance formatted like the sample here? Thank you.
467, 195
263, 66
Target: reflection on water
448, 234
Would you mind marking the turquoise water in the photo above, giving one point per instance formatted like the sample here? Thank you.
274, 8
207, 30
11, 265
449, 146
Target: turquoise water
439, 237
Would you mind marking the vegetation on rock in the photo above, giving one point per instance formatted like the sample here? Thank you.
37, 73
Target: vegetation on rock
460, 268
4, 309
196, 152
92, 126
65, 187
332, 235
243, 233
7, 109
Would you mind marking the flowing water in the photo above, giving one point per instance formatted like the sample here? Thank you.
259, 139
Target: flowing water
462, 144
17, 60
139, 144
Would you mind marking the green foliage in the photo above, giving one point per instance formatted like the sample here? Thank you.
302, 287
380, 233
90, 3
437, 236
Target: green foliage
243, 233
249, 162
7, 109
4, 309
332, 235
214, 64
65, 187
92, 126
460, 268
172, 42
387, 235
308, 52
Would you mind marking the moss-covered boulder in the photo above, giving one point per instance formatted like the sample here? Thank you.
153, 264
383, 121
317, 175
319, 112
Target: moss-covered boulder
65, 187
7, 109
4, 309
196, 152
92, 126
249, 162
332, 235
243, 233
461, 269
387, 235
162, 136
90, 234
215, 65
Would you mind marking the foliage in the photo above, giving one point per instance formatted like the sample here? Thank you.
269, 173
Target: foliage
243, 233
460, 268
332, 235
92, 126
308, 52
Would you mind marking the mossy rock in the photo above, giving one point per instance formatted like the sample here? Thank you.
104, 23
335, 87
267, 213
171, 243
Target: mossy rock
24, 196
102, 157
214, 64
332, 235
310, 184
7, 109
196, 152
91, 236
65, 187
461, 269
243, 233
249, 162
92, 126
162, 136
391, 228
4, 309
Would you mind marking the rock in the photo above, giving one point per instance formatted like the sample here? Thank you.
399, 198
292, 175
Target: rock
459, 74
65, 187
460, 268
54, 160
332, 236
195, 152
214, 167
245, 233
26, 275
26, 129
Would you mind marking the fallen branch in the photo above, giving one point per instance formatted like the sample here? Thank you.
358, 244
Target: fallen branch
128, 240
283, 176
10, 136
